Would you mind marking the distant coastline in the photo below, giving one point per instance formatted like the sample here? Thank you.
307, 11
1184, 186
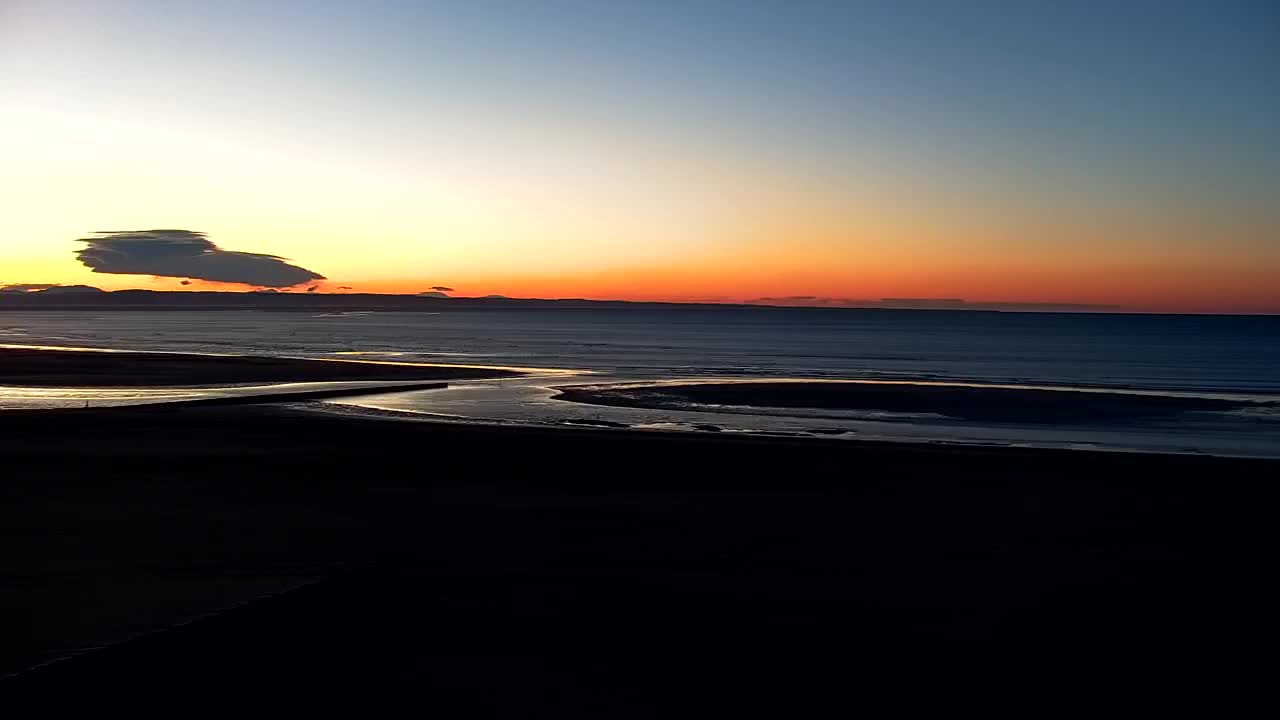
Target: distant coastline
93, 299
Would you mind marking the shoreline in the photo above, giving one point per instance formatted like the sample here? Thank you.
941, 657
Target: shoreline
962, 402
47, 367
375, 414
930, 413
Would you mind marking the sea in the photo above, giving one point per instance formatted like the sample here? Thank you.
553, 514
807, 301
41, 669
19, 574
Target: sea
1235, 357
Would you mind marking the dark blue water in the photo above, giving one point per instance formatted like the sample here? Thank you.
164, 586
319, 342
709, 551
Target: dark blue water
1233, 356
1189, 352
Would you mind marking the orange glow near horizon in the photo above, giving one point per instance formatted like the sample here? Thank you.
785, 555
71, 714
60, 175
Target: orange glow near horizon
815, 267
1156, 294
728, 231
840, 152
1138, 290
753, 245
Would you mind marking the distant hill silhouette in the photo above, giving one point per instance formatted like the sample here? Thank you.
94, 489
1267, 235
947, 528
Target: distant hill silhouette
71, 290
166, 300
20, 289
84, 297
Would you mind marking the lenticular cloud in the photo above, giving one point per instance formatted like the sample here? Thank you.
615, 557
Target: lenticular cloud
186, 254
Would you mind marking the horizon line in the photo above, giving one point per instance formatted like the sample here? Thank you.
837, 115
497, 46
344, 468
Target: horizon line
791, 302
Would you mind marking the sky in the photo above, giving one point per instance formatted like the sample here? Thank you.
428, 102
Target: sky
1120, 153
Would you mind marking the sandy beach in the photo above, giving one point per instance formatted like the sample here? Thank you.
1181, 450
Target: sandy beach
318, 561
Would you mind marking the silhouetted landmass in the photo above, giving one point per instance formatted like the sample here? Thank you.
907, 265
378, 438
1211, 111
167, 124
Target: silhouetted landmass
312, 302
125, 369
506, 572
324, 302
47, 289
991, 404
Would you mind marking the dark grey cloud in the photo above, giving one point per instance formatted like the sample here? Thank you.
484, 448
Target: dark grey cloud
186, 254
441, 288
185, 282
313, 288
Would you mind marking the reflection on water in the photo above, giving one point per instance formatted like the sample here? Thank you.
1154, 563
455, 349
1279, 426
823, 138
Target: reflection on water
1221, 357
1211, 353
36, 398
28, 398
531, 401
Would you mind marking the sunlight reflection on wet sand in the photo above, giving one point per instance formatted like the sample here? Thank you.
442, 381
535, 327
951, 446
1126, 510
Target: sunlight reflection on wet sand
26, 397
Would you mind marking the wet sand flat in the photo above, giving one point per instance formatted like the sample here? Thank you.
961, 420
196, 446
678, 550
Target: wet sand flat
46, 368
990, 403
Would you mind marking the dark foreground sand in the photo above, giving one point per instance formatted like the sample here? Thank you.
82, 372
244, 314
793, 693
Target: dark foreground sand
57, 368
490, 572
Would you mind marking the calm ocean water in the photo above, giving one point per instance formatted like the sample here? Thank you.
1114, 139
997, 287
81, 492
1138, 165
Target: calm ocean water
1180, 353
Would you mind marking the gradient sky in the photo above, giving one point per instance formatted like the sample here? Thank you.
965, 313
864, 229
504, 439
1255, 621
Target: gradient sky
1117, 152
